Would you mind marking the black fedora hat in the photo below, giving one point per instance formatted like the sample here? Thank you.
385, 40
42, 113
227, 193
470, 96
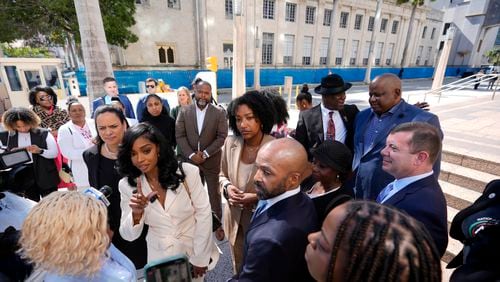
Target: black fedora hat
332, 84
334, 154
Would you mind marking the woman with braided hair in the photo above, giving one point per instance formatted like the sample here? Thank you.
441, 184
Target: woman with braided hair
365, 241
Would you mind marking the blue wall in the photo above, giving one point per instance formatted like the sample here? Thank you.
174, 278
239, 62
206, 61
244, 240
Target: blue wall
128, 79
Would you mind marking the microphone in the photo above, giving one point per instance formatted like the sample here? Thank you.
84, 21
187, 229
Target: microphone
101, 194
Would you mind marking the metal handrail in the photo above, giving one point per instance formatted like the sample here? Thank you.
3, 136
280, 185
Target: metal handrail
462, 83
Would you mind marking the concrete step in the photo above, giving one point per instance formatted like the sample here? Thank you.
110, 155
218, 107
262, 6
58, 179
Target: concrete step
465, 177
471, 162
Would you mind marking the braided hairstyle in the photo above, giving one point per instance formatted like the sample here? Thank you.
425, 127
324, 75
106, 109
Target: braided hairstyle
383, 244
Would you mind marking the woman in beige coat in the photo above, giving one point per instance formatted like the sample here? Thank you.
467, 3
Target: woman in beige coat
251, 117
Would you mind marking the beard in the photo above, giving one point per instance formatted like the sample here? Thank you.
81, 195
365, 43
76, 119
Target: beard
263, 193
202, 103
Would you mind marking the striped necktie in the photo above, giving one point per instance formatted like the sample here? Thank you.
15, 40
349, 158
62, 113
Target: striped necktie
385, 192
330, 130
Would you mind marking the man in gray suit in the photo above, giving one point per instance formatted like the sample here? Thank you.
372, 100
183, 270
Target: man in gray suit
200, 131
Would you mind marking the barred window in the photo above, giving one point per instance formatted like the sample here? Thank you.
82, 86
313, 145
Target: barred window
340, 51
354, 52
395, 25
291, 8
267, 48
307, 52
327, 18
344, 16
229, 9
268, 9
371, 23
378, 53
424, 32
310, 11
383, 25
288, 49
174, 4
388, 56
323, 50
357, 22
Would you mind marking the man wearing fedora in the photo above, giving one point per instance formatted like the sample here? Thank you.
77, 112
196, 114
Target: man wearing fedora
331, 119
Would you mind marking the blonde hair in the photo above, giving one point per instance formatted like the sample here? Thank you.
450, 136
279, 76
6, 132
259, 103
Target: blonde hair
183, 88
66, 233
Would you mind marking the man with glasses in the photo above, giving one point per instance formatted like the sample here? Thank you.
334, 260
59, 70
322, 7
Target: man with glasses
151, 88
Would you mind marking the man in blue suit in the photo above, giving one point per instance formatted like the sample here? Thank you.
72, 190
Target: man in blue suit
111, 89
409, 154
276, 240
371, 128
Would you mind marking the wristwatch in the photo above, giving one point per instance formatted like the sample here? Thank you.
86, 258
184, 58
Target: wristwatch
41, 151
224, 191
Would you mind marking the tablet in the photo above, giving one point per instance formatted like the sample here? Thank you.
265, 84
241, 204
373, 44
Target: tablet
13, 158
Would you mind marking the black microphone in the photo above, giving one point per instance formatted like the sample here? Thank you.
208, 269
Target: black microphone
101, 194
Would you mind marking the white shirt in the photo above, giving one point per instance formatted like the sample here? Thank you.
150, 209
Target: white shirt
340, 130
200, 117
400, 184
270, 202
24, 140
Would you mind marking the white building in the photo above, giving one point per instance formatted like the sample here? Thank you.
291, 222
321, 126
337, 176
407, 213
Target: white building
291, 33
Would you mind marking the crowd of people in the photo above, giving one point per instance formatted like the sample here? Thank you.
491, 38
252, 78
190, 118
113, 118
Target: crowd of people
348, 195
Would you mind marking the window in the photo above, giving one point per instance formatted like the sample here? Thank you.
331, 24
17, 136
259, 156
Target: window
310, 11
354, 52
229, 9
419, 54
290, 12
366, 53
424, 32
388, 56
445, 29
267, 48
227, 49
323, 50
428, 56
340, 51
433, 32
13, 78
357, 22
378, 54
307, 52
268, 9
371, 23
327, 19
174, 4
288, 49
383, 25
344, 16
395, 25
51, 76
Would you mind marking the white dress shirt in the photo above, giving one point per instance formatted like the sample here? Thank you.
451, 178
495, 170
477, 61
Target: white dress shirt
400, 184
340, 130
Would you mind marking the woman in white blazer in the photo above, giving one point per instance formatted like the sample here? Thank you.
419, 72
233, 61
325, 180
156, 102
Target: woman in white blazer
74, 138
171, 200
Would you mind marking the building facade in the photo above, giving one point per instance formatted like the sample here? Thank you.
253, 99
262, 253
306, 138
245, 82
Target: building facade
280, 33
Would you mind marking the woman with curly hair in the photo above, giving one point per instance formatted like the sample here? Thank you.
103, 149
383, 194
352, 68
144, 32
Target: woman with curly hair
63, 247
280, 128
44, 102
366, 241
169, 198
23, 131
251, 118
157, 114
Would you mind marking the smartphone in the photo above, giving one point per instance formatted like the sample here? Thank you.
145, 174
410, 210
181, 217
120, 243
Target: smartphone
171, 269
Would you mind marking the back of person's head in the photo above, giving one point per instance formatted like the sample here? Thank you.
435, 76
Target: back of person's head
15, 114
279, 105
34, 91
108, 79
66, 233
166, 161
261, 106
373, 242
305, 88
425, 137
304, 96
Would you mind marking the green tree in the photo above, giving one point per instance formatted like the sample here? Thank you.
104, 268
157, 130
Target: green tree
415, 4
53, 20
493, 56
25, 52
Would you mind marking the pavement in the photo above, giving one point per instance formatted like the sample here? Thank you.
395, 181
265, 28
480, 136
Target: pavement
469, 119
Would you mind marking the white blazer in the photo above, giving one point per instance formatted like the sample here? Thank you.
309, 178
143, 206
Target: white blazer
183, 227
72, 145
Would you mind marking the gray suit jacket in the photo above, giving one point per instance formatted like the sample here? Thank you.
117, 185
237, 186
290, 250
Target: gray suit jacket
212, 136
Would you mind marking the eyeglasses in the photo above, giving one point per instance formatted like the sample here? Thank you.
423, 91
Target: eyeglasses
44, 98
150, 86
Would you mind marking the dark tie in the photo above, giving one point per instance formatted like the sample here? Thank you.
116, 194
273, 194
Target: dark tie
330, 130
260, 208
385, 192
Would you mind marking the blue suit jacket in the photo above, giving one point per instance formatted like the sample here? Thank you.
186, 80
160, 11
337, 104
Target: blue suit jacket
424, 200
129, 111
276, 241
370, 178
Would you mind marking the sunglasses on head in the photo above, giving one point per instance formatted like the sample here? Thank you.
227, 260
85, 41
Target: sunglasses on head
44, 98
150, 86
